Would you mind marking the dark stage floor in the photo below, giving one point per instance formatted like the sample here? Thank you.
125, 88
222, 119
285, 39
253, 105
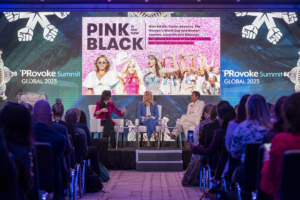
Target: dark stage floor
125, 158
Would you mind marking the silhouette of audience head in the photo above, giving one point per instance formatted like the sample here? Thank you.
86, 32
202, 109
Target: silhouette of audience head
291, 113
258, 111
15, 123
225, 115
71, 116
241, 111
78, 113
42, 112
83, 118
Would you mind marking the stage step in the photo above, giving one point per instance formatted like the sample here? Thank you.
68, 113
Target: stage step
159, 160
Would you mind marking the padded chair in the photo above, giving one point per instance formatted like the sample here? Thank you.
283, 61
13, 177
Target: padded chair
45, 166
95, 124
12, 192
250, 172
36, 193
290, 177
259, 194
143, 129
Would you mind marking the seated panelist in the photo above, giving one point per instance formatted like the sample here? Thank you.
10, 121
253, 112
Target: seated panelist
148, 115
103, 111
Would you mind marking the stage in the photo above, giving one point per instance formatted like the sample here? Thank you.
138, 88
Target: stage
125, 158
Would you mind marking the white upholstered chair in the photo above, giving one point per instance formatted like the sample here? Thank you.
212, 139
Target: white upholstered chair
95, 124
143, 129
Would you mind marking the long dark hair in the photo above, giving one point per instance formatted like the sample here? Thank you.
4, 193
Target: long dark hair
291, 114
278, 126
15, 123
226, 113
82, 119
157, 63
258, 111
105, 96
213, 113
241, 112
58, 108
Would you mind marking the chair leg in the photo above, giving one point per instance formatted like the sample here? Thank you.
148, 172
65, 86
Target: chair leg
83, 179
163, 139
122, 139
159, 134
180, 140
117, 139
72, 186
141, 142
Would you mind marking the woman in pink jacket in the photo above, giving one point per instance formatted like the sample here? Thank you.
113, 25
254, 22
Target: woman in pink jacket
103, 111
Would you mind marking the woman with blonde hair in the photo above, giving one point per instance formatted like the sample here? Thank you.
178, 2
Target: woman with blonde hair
253, 129
131, 79
102, 78
148, 115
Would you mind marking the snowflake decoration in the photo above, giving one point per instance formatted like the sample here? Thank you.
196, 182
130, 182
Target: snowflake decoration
149, 14
26, 34
274, 34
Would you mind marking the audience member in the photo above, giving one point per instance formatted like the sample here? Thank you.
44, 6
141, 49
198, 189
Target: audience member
205, 113
84, 127
225, 115
148, 115
209, 129
83, 118
240, 117
290, 140
17, 135
250, 130
88, 152
58, 112
27, 105
191, 118
236, 108
42, 132
71, 118
212, 115
278, 126
63, 130
8, 171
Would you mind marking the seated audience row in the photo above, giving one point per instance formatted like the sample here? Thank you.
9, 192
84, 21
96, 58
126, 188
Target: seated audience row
251, 123
18, 135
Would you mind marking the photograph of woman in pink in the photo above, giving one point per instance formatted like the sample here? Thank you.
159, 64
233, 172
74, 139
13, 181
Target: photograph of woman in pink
131, 79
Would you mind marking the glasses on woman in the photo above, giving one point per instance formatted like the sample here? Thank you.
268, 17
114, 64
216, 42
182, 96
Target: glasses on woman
101, 63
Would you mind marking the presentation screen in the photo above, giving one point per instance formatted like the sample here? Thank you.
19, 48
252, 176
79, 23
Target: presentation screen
167, 56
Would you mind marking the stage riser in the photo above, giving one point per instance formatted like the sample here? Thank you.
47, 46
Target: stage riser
159, 167
159, 160
160, 157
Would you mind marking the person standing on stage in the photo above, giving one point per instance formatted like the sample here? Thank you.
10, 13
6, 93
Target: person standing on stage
103, 111
102, 78
192, 116
148, 115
